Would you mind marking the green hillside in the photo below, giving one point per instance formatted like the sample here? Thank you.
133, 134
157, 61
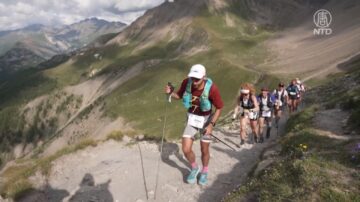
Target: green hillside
233, 52
142, 101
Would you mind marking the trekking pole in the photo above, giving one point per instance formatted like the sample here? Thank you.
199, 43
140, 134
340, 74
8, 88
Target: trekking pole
223, 142
168, 99
143, 172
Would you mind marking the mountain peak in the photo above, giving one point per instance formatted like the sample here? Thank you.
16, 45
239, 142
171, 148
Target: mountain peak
98, 22
34, 27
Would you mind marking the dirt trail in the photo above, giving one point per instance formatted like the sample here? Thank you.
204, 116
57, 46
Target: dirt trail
332, 123
117, 170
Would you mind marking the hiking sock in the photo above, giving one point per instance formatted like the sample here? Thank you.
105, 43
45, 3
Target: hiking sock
242, 142
205, 169
193, 165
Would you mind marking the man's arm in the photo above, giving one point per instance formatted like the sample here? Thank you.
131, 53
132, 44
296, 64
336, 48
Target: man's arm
209, 128
216, 116
218, 103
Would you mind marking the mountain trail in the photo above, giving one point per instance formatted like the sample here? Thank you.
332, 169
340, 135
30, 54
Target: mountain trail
117, 170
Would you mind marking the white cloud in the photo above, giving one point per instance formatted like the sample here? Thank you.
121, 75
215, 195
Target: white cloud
20, 13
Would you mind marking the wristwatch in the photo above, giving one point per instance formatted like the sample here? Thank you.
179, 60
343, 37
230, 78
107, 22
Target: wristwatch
213, 123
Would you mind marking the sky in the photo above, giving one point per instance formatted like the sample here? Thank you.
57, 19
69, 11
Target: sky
16, 14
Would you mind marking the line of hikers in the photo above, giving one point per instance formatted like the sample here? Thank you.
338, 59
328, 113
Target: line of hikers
260, 109
199, 94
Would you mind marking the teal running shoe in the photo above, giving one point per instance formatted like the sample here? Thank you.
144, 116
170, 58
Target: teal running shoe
203, 179
191, 179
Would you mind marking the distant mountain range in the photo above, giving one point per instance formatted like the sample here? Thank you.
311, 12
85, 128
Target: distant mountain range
29, 46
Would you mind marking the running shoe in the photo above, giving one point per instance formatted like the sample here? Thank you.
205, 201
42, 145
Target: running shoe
203, 179
191, 179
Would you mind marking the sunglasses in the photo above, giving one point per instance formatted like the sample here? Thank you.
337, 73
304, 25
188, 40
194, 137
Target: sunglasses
195, 79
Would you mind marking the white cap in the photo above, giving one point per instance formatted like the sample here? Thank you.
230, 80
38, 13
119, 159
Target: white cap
244, 91
197, 71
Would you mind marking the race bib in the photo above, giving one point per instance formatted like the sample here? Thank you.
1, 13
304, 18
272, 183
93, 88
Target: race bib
266, 113
196, 121
292, 93
252, 115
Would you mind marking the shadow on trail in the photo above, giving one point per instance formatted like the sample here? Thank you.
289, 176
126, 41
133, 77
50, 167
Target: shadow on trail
232, 142
172, 150
88, 191
47, 195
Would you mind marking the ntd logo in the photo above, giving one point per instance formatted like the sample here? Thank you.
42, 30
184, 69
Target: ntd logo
322, 20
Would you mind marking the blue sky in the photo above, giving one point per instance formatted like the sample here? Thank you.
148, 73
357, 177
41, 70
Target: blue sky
16, 14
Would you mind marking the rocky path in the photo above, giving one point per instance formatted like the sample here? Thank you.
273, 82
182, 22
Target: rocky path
115, 171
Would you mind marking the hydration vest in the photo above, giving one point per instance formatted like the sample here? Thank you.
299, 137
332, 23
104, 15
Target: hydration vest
249, 105
293, 91
268, 101
205, 104
281, 98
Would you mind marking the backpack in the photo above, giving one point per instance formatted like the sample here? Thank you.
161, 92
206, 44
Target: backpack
250, 104
205, 104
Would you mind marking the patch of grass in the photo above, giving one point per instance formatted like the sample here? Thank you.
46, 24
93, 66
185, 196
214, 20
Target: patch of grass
324, 173
333, 194
11, 124
23, 86
16, 178
351, 102
302, 119
291, 143
118, 135
115, 135
18, 188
